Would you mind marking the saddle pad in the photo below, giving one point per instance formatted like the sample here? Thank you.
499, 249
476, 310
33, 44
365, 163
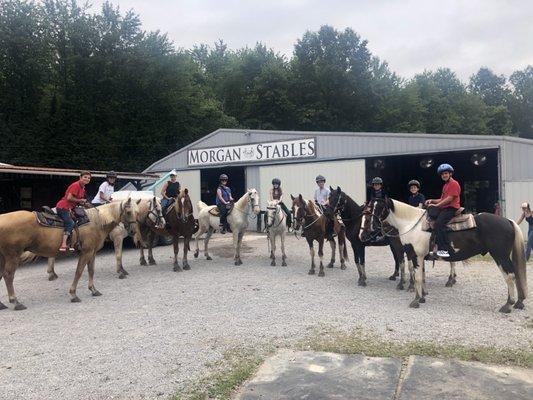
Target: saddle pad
462, 222
215, 212
53, 221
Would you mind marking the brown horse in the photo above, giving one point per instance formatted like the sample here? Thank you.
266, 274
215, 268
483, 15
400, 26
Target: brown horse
181, 223
20, 232
313, 224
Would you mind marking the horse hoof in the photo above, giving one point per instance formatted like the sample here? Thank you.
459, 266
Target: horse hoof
2, 306
177, 269
392, 277
330, 265
273, 263
454, 281
321, 274
20, 307
283, 264
96, 293
186, 267
208, 258
152, 262
422, 300
125, 272
196, 254
75, 300
362, 283
143, 261
449, 284
311, 272
519, 305
400, 286
52, 277
414, 304
122, 276
343, 267
506, 308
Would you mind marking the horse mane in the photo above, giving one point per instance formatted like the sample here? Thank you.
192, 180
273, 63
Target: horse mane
312, 207
242, 201
184, 194
405, 211
105, 214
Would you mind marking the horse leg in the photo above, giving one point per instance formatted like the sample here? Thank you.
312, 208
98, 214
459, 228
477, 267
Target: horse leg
321, 257
2, 265
90, 269
333, 249
396, 264
52, 276
451, 278
239, 243
363, 271
118, 239
152, 240
185, 262
342, 250
411, 268
283, 255
401, 284
312, 254
142, 260
200, 232
272, 249
424, 290
10, 267
176, 246
504, 263
206, 243
418, 277
82, 262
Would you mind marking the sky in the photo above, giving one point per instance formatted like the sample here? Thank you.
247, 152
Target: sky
411, 35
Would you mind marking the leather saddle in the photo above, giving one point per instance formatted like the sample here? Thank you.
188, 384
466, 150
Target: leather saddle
49, 219
215, 212
461, 222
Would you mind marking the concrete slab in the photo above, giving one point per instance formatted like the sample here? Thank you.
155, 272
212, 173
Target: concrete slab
430, 378
314, 375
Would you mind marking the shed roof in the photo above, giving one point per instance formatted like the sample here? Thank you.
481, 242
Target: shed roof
16, 169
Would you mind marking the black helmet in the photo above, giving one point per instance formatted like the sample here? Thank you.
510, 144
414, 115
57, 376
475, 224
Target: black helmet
276, 181
223, 177
320, 178
414, 182
377, 180
111, 174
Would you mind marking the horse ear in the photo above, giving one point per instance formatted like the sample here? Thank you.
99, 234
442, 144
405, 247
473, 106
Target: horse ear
330, 188
389, 203
339, 190
292, 197
128, 202
300, 197
186, 191
139, 201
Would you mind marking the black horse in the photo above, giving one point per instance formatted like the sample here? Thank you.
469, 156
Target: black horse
352, 213
498, 236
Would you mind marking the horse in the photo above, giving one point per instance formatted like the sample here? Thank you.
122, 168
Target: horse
208, 221
313, 224
498, 236
20, 232
275, 226
150, 216
180, 223
351, 214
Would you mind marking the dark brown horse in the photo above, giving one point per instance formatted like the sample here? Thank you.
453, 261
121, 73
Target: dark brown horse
313, 224
180, 223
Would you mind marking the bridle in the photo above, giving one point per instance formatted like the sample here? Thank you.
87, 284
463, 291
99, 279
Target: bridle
277, 208
251, 201
340, 208
181, 205
127, 223
157, 213
390, 233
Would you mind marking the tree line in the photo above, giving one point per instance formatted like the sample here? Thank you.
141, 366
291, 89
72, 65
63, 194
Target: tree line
94, 90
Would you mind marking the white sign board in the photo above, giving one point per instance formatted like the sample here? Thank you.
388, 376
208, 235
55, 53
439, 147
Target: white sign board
258, 152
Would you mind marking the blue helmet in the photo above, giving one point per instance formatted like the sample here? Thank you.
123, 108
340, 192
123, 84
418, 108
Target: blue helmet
443, 168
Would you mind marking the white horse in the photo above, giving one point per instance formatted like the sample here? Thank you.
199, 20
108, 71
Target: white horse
237, 219
276, 226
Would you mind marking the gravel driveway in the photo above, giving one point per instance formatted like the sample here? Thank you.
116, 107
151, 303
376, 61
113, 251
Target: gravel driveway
149, 334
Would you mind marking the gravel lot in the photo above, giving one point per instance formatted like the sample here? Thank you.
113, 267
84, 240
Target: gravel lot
149, 334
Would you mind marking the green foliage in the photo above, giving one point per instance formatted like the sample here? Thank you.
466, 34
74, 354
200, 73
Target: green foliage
93, 90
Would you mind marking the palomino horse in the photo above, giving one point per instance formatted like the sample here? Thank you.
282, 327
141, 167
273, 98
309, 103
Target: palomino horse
237, 219
20, 232
181, 224
150, 216
313, 224
498, 236
276, 226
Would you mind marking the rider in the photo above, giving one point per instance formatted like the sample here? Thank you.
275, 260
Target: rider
276, 193
106, 190
74, 195
447, 205
416, 199
322, 200
170, 190
377, 189
528, 216
223, 202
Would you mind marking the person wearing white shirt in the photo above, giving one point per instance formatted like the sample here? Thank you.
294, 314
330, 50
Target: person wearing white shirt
321, 193
106, 190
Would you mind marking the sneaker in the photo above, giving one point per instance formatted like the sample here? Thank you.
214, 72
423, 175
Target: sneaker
443, 254
222, 229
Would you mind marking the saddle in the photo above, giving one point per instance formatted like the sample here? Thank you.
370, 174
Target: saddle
215, 212
461, 222
49, 219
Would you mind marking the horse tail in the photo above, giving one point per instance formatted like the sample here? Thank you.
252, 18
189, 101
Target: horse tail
519, 261
28, 257
201, 205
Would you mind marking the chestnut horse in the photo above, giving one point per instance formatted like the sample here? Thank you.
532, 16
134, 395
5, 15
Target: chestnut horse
20, 232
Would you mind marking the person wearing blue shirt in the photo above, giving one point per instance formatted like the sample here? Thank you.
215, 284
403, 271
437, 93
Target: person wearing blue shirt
223, 201
416, 199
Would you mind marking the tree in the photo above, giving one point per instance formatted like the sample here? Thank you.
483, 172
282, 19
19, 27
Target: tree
521, 103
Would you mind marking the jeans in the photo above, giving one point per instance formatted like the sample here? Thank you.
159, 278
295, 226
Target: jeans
67, 220
165, 203
445, 215
529, 245
223, 213
287, 212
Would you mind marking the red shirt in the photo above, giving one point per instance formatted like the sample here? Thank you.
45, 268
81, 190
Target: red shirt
451, 188
77, 191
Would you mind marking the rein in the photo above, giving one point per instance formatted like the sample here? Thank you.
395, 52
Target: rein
278, 210
399, 234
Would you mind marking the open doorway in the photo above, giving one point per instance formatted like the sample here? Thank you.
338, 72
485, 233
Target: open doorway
209, 182
476, 171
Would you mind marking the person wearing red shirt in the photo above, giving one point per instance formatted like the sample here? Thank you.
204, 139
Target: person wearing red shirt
74, 195
447, 206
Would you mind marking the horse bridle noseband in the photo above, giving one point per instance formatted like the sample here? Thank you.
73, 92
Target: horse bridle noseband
155, 212
127, 224
389, 233
278, 209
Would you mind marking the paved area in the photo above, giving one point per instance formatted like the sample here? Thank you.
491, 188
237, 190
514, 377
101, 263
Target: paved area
292, 375
151, 334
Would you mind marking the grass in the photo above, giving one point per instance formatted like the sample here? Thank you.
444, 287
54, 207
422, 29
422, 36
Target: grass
228, 374
360, 342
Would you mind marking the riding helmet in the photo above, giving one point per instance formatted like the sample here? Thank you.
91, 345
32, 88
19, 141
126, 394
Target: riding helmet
377, 180
320, 178
223, 177
276, 181
443, 168
414, 182
111, 174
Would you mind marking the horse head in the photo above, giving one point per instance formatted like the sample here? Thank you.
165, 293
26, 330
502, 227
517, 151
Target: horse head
184, 205
253, 197
375, 212
299, 211
129, 212
155, 213
273, 209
